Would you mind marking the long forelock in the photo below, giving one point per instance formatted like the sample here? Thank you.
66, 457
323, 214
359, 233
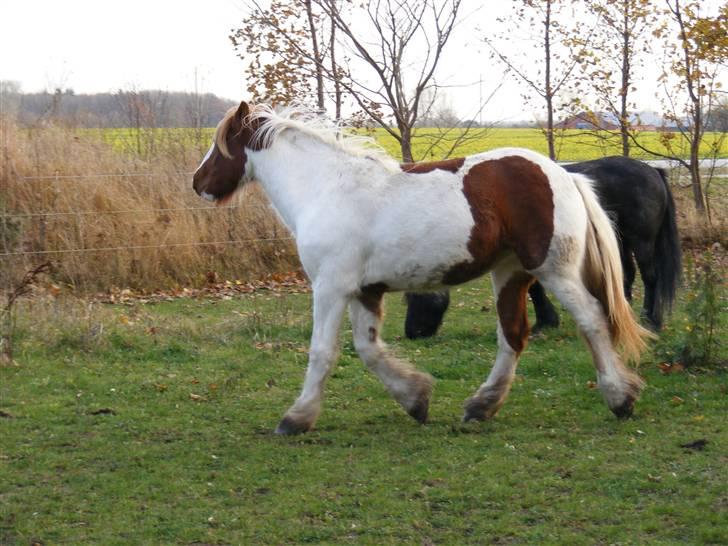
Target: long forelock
272, 124
221, 133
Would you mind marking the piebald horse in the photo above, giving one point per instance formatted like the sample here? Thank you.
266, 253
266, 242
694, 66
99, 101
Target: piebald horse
365, 225
638, 198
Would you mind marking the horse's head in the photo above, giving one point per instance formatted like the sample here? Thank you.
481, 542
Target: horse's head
223, 168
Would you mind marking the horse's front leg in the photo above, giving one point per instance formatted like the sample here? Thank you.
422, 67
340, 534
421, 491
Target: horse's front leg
328, 310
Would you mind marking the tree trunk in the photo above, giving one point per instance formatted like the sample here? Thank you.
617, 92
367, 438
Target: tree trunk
697, 188
405, 144
693, 85
335, 72
317, 58
623, 113
695, 181
549, 92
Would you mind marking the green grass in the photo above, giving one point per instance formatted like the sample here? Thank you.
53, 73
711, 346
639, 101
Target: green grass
151, 424
571, 144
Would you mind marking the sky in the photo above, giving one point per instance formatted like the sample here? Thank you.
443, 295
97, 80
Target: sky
95, 46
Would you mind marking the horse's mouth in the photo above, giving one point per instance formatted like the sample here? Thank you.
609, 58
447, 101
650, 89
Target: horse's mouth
225, 199
217, 199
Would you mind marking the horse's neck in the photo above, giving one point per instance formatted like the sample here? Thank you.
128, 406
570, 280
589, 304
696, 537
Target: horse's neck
298, 173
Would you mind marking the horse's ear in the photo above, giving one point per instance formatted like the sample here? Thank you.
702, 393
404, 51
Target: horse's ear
242, 112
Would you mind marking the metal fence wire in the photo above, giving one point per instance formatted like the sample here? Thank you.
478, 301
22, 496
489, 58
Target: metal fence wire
38, 221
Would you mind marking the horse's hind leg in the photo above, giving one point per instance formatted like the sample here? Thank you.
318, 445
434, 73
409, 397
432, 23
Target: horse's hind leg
628, 268
511, 285
546, 315
328, 311
409, 387
652, 305
619, 386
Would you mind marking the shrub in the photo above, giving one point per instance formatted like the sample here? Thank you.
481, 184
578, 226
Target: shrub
698, 342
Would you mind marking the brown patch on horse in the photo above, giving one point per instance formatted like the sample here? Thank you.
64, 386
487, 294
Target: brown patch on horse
371, 297
450, 165
513, 209
512, 313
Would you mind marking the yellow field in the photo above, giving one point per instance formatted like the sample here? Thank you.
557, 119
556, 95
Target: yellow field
431, 144
571, 144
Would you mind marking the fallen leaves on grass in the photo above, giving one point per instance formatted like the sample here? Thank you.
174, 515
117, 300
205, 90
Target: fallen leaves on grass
667, 368
280, 345
293, 282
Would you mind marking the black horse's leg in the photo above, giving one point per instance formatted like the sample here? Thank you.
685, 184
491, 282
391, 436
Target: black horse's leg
546, 315
628, 269
651, 307
425, 312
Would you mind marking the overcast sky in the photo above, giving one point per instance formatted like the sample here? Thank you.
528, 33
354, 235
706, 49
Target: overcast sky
99, 46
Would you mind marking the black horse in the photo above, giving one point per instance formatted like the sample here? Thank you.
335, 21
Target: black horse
638, 198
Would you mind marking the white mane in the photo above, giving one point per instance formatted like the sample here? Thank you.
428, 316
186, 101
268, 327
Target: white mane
317, 126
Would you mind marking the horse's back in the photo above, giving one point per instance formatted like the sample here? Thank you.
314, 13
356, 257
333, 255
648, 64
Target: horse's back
630, 190
446, 226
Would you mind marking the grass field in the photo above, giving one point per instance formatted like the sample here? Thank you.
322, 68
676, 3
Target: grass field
151, 424
571, 145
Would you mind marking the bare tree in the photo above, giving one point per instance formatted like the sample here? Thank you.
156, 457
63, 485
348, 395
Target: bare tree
690, 81
195, 106
400, 43
561, 50
391, 54
623, 27
142, 110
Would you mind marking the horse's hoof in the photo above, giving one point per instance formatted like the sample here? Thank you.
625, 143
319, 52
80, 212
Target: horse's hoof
539, 327
651, 324
421, 384
475, 410
290, 426
419, 411
625, 409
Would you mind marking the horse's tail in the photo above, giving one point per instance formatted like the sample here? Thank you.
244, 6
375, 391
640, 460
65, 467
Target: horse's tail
667, 256
602, 275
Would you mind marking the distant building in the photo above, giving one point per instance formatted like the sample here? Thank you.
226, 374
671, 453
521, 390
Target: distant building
589, 121
606, 121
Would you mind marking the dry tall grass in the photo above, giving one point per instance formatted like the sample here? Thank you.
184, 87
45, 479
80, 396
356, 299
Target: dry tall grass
110, 219
696, 230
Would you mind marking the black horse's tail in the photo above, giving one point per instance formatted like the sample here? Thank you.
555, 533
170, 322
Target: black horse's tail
668, 262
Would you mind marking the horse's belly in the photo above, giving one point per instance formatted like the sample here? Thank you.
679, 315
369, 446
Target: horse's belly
416, 264
415, 241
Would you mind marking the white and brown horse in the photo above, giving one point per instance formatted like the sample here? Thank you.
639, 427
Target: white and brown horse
365, 225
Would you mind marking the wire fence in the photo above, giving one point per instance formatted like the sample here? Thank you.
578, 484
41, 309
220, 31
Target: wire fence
70, 217
119, 224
